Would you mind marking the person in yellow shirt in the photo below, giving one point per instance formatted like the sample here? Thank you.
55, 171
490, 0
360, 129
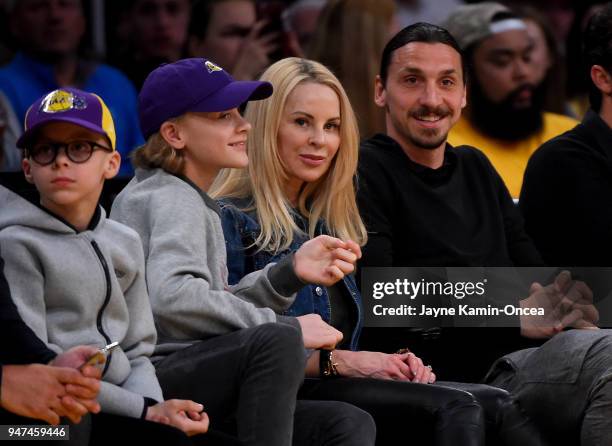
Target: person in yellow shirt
509, 157
504, 117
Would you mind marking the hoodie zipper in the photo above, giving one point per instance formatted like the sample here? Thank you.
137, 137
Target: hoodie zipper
106, 301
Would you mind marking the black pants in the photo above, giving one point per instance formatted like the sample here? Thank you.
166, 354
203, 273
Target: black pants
105, 429
252, 377
408, 413
332, 423
446, 413
448, 350
506, 422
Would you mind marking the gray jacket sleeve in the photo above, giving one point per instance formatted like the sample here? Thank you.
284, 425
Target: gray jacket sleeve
280, 281
119, 401
187, 273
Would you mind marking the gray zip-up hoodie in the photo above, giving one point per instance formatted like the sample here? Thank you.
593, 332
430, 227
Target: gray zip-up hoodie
185, 254
84, 287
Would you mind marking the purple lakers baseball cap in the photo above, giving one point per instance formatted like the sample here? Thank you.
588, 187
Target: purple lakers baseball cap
69, 105
192, 85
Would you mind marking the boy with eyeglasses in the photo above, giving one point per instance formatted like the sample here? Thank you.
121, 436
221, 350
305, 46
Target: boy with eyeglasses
77, 277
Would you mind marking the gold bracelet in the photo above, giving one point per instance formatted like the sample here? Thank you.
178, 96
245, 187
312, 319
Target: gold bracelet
328, 368
333, 365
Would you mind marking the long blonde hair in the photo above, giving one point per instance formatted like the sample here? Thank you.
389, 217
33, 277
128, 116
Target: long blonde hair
347, 25
331, 198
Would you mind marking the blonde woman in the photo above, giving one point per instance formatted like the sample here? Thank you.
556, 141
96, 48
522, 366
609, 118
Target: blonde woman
304, 182
241, 359
300, 183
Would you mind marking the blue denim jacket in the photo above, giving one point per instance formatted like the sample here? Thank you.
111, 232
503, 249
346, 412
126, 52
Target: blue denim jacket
241, 229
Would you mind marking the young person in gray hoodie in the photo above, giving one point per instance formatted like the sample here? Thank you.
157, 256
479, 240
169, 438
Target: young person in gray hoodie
78, 278
189, 114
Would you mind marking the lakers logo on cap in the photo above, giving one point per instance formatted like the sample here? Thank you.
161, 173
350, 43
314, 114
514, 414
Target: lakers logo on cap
212, 67
61, 100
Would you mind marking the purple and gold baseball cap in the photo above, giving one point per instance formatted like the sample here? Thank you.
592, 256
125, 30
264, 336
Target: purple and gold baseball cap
71, 105
192, 85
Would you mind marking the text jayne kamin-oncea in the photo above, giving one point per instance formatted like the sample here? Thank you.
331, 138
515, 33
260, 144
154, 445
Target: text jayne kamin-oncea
461, 310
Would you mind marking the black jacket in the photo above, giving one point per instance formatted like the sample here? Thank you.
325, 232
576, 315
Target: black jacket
566, 198
458, 215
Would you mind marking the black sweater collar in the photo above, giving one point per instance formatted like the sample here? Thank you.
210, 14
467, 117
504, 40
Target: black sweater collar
442, 173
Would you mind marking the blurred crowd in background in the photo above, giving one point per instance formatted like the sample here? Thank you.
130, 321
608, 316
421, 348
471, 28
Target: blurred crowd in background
108, 47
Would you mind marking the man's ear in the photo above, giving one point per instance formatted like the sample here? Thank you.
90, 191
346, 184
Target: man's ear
26, 166
602, 79
464, 100
171, 132
113, 164
380, 94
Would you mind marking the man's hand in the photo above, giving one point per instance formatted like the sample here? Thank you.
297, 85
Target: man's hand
325, 260
84, 396
399, 367
185, 415
317, 333
566, 303
42, 392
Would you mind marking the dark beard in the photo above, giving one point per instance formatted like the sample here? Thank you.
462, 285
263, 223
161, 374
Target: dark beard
424, 141
504, 120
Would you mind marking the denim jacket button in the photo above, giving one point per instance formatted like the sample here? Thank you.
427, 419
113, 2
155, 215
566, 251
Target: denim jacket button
319, 291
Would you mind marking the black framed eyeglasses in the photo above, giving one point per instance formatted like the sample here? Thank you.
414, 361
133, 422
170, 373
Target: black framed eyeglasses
78, 151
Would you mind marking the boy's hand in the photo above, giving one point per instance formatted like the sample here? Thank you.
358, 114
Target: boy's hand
325, 260
317, 333
185, 415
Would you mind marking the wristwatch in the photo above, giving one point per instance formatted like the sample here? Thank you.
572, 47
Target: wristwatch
327, 367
